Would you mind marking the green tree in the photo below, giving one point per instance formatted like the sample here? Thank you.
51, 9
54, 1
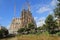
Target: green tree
57, 12
21, 30
50, 24
27, 29
42, 28
3, 33
31, 26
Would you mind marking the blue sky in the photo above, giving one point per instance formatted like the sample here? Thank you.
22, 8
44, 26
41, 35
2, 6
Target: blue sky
40, 9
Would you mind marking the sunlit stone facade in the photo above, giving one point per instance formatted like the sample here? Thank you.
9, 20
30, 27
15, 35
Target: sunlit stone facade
24, 20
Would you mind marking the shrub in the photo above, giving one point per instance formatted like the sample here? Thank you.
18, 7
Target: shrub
58, 33
3, 33
46, 33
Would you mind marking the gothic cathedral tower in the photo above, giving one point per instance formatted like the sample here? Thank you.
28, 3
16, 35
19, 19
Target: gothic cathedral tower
26, 18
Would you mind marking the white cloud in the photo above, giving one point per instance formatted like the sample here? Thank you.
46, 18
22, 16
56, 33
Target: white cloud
53, 3
43, 9
35, 18
51, 12
48, 7
40, 21
8, 26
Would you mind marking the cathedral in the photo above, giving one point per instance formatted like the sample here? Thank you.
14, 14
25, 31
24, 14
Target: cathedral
24, 20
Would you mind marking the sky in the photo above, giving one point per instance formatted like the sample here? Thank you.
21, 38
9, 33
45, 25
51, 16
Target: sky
40, 9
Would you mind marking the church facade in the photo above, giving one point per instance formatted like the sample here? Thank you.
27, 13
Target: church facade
24, 20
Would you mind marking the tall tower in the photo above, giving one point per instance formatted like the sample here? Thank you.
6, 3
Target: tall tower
26, 16
23, 21
15, 25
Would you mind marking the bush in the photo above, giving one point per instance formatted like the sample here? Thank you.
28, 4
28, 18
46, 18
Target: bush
3, 33
47, 33
28, 30
58, 33
38, 33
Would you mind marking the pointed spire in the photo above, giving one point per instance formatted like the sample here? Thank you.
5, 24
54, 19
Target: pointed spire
14, 9
28, 5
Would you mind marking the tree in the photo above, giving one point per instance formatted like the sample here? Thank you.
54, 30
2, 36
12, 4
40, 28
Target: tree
57, 12
21, 30
43, 28
50, 24
31, 26
3, 33
27, 30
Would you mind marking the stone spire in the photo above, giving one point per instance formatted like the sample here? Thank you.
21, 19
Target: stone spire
15, 10
26, 15
27, 2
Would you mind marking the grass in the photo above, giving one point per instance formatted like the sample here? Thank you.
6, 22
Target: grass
42, 36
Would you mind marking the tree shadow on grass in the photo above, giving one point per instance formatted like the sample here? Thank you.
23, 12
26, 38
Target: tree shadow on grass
8, 36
